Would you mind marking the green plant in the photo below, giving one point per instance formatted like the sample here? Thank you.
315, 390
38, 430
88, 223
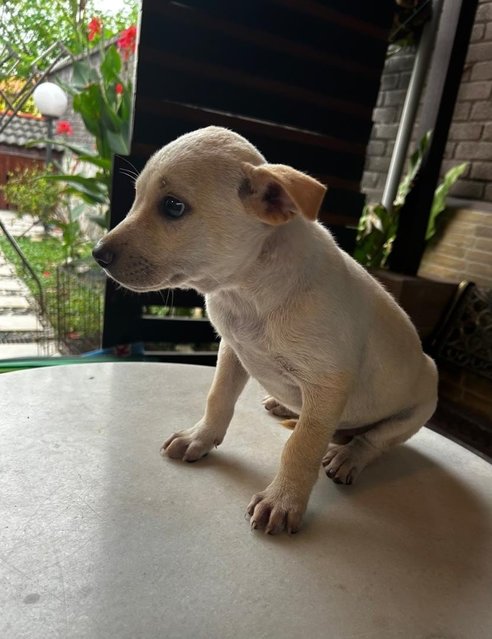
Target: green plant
377, 227
29, 191
71, 233
45, 256
102, 95
32, 29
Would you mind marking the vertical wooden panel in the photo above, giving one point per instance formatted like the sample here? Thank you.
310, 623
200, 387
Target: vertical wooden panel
298, 78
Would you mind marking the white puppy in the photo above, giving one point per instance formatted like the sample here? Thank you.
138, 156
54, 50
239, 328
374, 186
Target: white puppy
293, 311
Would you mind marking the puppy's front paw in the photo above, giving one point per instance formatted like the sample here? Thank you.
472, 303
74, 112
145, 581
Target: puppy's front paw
275, 510
190, 445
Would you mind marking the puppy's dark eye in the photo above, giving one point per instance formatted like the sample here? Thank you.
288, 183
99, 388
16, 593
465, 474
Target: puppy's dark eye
172, 207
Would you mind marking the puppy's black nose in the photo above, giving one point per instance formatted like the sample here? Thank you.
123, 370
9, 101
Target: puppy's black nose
103, 255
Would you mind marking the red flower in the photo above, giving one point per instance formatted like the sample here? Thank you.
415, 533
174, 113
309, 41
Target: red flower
64, 128
127, 42
119, 88
46, 273
94, 28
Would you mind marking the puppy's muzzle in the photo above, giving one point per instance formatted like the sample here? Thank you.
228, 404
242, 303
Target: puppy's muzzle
103, 255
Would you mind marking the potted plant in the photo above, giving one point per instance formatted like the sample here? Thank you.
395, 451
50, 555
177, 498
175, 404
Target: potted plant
424, 300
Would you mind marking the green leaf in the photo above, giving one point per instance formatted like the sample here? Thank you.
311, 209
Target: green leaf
372, 234
440, 195
100, 220
111, 65
109, 117
376, 222
117, 142
96, 160
91, 189
80, 179
85, 194
76, 211
414, 165
85, 155
376, 233
83, 75
89, 105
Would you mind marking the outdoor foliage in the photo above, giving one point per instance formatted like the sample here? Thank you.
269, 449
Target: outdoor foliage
30, 27
101, 47
378, 227
45, 256
28, 191
102, 94
33, 192
12, 88
100, 87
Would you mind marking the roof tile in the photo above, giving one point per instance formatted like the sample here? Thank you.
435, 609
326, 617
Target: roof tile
21, 130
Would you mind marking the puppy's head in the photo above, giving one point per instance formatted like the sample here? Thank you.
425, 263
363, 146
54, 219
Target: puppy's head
203, 206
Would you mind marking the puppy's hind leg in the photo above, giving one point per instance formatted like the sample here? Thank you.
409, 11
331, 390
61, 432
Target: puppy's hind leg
344, 462
276, 408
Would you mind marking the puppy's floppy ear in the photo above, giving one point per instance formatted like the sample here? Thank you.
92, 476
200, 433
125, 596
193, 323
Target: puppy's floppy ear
275, 193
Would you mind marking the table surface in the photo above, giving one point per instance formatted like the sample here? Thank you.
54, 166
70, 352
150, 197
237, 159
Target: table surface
100, 537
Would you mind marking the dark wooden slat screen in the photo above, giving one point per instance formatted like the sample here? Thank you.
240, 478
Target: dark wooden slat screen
298, 78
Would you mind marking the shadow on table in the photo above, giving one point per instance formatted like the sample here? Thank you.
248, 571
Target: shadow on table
232, 467
409, 536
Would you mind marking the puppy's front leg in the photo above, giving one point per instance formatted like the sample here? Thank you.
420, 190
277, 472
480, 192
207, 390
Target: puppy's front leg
282, 504
229, 380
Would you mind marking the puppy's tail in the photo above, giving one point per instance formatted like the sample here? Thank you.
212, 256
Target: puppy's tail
289, 423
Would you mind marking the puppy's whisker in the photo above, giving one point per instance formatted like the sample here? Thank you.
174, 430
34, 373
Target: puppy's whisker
137, 172
128, 171
129, 174
171, 310
169, 294
165, 299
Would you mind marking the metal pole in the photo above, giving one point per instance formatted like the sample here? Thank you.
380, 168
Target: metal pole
410, 106
49, 150
443, 82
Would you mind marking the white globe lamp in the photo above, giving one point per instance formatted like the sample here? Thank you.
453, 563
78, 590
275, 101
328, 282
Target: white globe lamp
52, 102
50, 99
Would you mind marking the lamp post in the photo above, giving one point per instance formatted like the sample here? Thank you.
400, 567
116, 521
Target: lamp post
52, 102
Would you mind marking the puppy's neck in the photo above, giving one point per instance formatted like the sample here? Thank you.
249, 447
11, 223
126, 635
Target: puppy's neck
286, 264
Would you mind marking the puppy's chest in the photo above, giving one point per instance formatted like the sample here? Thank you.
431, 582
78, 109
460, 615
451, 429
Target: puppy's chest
246, 330
249, 336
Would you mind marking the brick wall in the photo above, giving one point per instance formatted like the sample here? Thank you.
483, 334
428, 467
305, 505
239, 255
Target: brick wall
463, 388
470, 137
463, 250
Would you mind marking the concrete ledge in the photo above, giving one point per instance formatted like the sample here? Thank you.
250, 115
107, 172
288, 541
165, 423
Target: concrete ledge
13, 323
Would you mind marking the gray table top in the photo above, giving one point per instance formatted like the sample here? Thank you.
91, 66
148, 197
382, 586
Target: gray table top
100, 537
